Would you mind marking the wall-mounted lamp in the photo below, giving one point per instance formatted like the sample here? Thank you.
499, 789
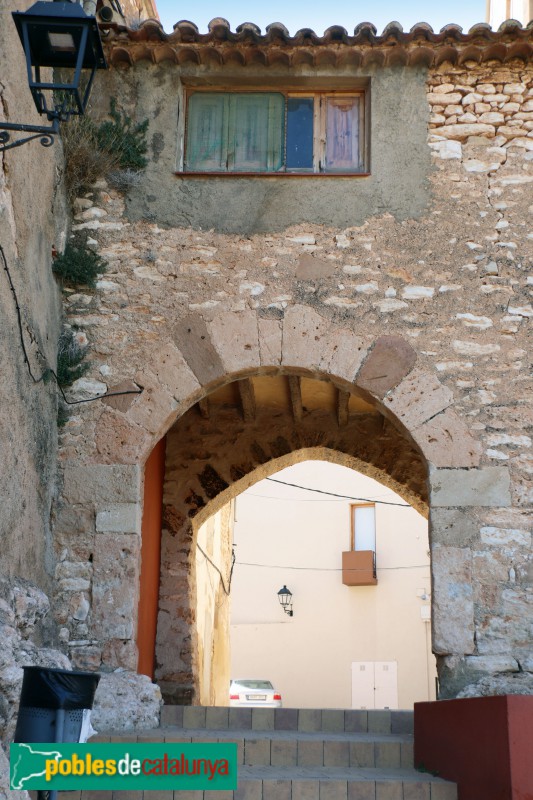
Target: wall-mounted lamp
285, 598
59, 35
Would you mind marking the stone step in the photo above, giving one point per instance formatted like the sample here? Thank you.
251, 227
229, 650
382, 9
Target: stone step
289, 719
292, 748
267, 783
296, 754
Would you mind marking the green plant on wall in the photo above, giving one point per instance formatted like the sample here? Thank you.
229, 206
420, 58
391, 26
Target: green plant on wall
124, 138
71, 364
95, 150
79, 264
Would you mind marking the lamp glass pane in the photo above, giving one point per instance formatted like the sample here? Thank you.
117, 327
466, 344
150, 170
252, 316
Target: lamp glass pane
62, 42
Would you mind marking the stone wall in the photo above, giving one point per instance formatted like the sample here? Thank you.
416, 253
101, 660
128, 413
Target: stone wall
33, 219
453, 284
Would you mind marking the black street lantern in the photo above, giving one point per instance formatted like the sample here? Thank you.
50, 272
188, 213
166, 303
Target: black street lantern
58, 35
285, 598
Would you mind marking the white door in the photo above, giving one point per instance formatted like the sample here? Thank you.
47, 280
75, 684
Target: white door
362, 684
386, 684
374, 684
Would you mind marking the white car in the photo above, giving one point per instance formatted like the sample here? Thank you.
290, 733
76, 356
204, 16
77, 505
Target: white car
247, 692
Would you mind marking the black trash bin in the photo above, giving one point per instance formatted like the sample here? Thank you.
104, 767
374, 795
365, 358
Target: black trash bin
52, 702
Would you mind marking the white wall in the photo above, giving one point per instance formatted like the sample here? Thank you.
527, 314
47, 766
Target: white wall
309, 656
500, 10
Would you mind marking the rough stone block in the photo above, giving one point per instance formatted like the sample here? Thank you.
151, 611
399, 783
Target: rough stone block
342, 354
118, 440
446, 441
390, 360
235, 338
270, 336
276, 790
491, 664
453, 604
109, 483
417, 398
119, 518
486, 486
115, 581
156, 409
452, 527
303, 335
194, 342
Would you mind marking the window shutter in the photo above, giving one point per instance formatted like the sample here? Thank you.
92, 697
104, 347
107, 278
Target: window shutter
256, 132
207, 132
342, 133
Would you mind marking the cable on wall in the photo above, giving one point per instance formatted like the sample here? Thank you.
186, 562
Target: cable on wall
48, 370
228, 590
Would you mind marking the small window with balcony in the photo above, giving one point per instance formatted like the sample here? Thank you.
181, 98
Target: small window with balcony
272, 132
359, 563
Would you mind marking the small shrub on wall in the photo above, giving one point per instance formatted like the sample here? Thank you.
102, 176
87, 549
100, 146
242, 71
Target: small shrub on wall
79, 264
93, 151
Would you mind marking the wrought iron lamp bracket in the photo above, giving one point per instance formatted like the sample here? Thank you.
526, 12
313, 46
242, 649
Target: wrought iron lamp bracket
46, 134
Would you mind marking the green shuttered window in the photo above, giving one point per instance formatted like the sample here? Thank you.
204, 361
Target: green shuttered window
274, 132
241, 132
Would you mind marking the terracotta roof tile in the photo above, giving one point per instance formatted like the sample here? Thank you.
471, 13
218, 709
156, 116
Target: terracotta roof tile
248, 45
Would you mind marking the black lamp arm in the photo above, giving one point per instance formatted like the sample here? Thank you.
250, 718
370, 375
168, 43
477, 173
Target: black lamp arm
46, 134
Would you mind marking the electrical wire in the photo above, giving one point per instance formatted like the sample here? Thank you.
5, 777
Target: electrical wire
48, 370
342, 496
226, 591
326, 569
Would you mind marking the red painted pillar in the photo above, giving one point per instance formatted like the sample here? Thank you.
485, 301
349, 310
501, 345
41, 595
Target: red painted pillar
154, 475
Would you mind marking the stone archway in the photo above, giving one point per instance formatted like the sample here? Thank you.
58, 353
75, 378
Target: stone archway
235, 346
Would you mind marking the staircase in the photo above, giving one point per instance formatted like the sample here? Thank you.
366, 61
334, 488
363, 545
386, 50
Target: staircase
298, 754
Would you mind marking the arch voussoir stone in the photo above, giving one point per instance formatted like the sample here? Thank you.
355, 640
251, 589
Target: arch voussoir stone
304, 333
170, 370
418, 397
235, 338
270, 333
343, 352
389, 361
446, 441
